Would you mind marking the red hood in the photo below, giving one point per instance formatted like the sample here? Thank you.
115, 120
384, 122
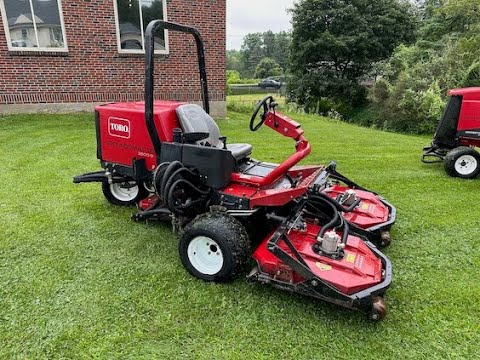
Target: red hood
472, 93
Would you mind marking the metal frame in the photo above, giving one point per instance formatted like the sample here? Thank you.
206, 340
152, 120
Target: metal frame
152, 27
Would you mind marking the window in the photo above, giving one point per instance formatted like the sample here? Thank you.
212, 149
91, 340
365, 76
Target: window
132, 18
33, 25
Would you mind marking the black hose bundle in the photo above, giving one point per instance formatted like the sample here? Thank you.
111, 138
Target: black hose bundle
335, 203
334, 208
180, 188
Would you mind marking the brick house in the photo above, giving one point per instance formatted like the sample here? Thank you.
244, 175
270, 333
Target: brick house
63, 55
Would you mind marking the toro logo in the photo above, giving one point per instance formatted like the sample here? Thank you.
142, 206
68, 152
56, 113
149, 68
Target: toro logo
119, 127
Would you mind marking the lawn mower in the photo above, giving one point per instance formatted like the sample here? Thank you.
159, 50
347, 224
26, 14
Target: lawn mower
457, 135
313, 228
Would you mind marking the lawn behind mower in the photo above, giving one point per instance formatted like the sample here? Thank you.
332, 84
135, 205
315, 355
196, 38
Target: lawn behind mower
313, 229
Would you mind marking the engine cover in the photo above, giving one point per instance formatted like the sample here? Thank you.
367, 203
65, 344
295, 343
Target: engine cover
122, 134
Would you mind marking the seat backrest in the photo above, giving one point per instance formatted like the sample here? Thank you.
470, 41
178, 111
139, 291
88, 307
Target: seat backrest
194, 119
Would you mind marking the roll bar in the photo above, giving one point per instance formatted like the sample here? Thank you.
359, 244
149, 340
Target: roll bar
152, 27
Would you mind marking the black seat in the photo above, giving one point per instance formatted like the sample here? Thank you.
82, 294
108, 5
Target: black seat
193, 119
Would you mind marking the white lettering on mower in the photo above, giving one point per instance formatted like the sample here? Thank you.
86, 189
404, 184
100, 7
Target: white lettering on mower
119, 127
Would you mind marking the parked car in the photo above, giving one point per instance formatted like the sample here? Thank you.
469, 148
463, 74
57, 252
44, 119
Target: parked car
270, 83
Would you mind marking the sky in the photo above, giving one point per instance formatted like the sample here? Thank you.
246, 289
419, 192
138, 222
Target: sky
248, 16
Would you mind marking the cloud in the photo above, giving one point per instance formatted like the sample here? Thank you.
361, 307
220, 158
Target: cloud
248, 16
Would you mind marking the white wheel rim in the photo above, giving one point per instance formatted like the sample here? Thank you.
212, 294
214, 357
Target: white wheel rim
466, 165
205, 255
126, 191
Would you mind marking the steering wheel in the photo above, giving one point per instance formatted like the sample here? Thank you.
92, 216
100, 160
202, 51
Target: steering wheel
265, 104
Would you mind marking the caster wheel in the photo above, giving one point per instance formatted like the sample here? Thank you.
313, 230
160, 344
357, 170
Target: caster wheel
379, 309
127, 193
385, 239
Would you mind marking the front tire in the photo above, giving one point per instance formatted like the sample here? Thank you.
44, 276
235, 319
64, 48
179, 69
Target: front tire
462, 162
123, 194
214, 247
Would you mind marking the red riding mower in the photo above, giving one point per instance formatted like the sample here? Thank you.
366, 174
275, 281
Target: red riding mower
314, 229
457, 135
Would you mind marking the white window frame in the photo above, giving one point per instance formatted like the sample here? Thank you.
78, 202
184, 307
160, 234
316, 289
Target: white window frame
34, 49
117, 28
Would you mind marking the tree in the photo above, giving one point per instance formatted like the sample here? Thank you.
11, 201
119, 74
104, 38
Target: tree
336, 42
252, 52
267, 67
412, 93
257, 46
281, 48
234, 61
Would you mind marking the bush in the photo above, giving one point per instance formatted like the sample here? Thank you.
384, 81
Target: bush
233, 77
267, 67
411, 95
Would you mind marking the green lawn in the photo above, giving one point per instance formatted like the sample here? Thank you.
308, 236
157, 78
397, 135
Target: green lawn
79, 279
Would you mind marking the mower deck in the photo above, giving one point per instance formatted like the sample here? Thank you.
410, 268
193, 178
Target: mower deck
290, 258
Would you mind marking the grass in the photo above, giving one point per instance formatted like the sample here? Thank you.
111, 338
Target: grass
78, 279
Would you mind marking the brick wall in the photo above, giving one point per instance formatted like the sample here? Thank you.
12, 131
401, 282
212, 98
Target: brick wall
94, 71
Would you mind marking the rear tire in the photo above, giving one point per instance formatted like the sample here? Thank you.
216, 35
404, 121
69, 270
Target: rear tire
462, 162
123, 194
214, 247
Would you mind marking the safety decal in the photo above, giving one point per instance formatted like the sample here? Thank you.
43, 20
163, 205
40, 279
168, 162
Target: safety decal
364, 206
323, 267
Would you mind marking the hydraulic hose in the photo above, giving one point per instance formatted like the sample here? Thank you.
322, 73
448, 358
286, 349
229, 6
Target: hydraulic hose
158, 176
166, 176
170, 199
331, 223
346, 229
168, 179
336, 220
337, 205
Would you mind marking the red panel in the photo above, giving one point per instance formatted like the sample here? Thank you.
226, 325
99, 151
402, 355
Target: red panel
284, 125
280, 197
275, 194
472, 93
124, 135
148, 203
370, 212
240, 190
469, 115
359, 269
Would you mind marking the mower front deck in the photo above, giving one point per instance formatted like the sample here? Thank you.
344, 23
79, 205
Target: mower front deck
290, 258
